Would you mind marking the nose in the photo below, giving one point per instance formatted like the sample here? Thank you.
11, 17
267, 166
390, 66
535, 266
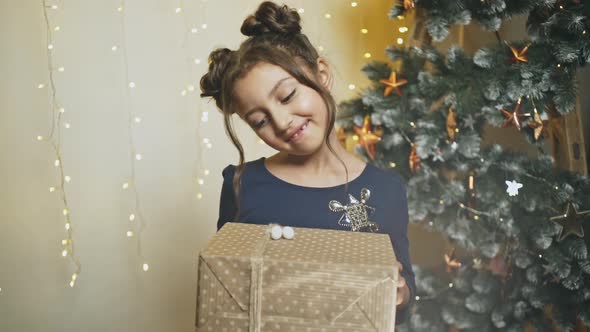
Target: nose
282, 120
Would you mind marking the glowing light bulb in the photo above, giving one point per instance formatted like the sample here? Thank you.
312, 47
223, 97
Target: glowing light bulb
392, 164
50, 46
54, 7
400, 41
194, 30
131, 217
74, 276
138, 156
120, 9
72, 283
183, 93
129, 233
39, 138
364, 31
56, 28
146, 267
301, 10
68, 226
191, 88
178, 10
132, 85
137, 119
68, 178
206, 172
64, 242
51, 189
125, 185
451, 285
355, 138
56, 162
61, 69
114, 48
199, 196
403, 29
367, 55
41, 86
65, 212
354, 4
328, 15
351, 87
67, 125
320, 48
197, 61
200, 181
64, 253
204, 26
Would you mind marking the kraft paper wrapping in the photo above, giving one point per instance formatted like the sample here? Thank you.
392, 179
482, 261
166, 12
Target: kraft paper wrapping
322, 280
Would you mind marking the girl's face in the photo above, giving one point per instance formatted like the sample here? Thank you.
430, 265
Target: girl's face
287, 115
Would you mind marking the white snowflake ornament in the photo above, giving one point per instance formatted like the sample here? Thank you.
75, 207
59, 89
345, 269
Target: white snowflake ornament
513, 187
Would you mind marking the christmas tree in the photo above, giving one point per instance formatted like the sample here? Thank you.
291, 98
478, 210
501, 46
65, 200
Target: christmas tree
520, 219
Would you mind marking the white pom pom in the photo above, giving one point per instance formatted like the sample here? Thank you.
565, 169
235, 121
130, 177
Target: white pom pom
276, 232
288, 232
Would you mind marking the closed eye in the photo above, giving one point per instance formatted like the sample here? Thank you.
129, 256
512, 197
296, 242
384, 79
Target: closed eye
286, 100
261, 123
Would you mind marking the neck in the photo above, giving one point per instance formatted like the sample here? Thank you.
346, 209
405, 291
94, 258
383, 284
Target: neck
323, 161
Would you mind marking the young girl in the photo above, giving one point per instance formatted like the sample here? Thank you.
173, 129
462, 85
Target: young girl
278, 84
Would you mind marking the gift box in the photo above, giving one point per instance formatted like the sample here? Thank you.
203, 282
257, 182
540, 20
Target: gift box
321, 280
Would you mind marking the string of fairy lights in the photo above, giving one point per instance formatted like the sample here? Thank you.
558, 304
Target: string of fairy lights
191, 62
54, 140
136, 220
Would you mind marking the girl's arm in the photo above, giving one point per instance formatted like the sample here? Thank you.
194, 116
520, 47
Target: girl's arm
227, 204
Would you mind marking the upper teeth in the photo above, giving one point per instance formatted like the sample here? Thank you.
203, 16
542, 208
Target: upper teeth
299, 131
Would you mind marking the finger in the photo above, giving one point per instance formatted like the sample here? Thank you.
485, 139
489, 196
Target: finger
399, 266
399, 299
401, 282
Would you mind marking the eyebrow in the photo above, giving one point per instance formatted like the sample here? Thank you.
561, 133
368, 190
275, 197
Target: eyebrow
269, 95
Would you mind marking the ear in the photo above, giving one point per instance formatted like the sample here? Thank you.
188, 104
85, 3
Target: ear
325, 73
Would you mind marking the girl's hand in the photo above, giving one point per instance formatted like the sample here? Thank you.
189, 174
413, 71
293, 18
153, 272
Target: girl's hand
403, 291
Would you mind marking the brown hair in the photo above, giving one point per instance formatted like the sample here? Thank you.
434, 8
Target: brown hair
274, 37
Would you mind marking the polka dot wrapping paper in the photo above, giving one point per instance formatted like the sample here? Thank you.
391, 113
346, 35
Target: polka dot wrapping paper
322, 280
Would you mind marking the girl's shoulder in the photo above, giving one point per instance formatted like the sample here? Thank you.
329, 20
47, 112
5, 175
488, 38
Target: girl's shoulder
229, 170
385, 174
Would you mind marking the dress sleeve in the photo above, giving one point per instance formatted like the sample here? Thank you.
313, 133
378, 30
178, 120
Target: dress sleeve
227, 202
399, 237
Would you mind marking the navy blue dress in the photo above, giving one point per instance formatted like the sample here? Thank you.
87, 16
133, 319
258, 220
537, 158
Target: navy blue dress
266, 199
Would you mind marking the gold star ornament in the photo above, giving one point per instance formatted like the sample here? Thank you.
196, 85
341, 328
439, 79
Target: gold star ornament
451, 262
571, 221
393, 84
451, 124
519, 55
538, 125
409, 4
367, 138
514, 116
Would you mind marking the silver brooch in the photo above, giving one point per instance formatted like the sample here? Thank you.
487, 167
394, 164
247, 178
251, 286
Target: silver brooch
355, 213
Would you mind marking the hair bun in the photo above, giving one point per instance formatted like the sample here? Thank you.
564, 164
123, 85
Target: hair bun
270, 17
211, 82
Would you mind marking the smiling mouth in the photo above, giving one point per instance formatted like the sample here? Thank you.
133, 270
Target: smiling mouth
299, 132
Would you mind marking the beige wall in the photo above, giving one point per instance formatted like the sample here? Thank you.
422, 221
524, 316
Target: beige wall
112, 292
